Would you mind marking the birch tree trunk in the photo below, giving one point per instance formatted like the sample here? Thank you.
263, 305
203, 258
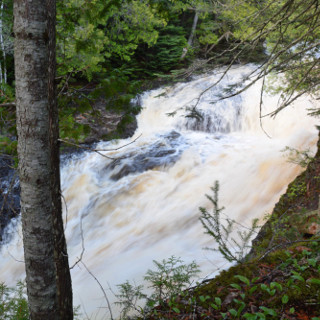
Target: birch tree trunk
4, 43
4, 75
191, 36
44, 243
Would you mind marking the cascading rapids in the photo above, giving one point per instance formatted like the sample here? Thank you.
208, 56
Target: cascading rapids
142, 205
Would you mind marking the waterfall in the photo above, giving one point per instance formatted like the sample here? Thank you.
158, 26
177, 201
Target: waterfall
142, 204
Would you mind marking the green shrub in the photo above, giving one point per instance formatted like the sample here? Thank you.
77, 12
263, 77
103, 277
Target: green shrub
13, 302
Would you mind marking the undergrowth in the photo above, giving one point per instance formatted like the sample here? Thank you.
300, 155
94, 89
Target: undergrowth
280, 281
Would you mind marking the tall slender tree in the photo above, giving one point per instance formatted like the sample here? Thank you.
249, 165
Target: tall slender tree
48, 278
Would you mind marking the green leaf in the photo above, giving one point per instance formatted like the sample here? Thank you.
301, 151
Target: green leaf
285, 299
236, 286
292, 310
276, 285
297, 277
261, 316
204, 298
306, 253
214, 306
269, 311
241, 308
295, 287
264, 287
243, 279
253, 289
176, 310
218, 301
312, 262
314, 281
250, 316
233, 312
272, 292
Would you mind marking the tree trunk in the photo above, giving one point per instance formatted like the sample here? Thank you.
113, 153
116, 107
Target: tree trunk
191, 36
44, 246
3, 48
2, 76
64, 286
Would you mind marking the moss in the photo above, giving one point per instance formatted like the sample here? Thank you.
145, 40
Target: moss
287, 265
262, 284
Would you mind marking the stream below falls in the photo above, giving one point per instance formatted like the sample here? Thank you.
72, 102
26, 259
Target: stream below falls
143, 206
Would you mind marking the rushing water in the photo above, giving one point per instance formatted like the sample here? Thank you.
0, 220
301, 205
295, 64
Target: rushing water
144, 205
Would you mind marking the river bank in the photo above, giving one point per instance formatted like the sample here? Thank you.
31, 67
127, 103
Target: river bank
280, 277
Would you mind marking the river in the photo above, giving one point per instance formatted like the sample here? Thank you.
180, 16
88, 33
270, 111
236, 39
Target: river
143, 206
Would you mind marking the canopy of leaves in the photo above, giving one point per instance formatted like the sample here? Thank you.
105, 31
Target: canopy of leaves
290, 31
89, 32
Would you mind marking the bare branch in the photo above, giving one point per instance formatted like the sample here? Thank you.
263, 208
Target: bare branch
82, 245
66, 206
100, 150
65, 84
8, 105
101, 287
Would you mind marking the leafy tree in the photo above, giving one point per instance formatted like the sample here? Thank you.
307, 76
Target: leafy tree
289, 30
90, 32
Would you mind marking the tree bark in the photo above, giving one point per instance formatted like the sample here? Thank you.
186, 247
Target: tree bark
191, 36
44, 243
3, 77
64, 286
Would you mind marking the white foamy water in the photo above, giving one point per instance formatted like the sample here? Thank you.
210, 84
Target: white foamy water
144, 206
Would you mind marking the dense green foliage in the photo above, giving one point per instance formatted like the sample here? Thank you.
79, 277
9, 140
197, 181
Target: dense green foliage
100, 41
289, 31
136, 40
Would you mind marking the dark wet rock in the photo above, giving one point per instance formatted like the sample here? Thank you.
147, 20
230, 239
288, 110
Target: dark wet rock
106, 124
9, 193
162, 153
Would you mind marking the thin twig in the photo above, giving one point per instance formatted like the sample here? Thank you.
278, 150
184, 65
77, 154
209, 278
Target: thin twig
8, 104
82, 244
101, 287
65, 84
100, 150
21, 261
260, 106
86, 148
66, 206
288, 243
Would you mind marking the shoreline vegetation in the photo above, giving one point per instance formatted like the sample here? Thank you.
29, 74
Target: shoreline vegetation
278, 279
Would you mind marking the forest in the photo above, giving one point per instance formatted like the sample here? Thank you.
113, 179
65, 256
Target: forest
108, 54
